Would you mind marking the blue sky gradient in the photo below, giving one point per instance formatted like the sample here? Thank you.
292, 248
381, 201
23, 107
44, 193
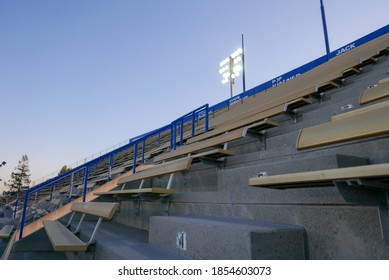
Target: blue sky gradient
77, 77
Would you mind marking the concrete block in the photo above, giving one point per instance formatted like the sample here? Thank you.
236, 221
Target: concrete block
334, 232
227, 238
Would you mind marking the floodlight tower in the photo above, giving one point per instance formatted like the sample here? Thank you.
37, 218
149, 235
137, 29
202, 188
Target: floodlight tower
231, 67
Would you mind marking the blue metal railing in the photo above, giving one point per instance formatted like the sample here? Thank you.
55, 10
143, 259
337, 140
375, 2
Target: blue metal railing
193, 117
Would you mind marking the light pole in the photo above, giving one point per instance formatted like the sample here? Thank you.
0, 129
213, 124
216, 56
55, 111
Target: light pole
323, 17
231, 67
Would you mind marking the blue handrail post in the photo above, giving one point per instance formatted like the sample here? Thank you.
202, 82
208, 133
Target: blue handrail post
135, 156
193, 124
192, 117
175, 136
206, 117
171, 136
85, 183
182, 131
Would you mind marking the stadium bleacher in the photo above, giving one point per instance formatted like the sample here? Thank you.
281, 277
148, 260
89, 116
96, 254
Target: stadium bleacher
327, 127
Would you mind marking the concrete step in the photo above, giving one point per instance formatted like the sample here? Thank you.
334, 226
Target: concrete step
114, 241
226, 238
119, 242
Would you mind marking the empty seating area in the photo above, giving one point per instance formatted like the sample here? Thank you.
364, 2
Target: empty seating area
372, 175
324, 128
169, 168
62, 239
360, 125
375, 92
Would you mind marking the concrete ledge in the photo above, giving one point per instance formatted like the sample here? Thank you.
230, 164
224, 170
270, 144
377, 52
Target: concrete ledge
218, 238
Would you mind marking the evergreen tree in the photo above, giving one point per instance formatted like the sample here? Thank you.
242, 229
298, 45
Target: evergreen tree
2, 164
64, 169
20, 178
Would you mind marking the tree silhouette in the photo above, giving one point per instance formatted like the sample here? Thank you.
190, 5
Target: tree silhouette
64, 169
2, 164
20, 178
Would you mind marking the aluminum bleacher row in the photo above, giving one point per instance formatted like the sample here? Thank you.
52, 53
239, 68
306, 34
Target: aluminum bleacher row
207, 163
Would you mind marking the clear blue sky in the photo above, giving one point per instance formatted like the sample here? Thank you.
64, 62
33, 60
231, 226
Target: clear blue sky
77, 77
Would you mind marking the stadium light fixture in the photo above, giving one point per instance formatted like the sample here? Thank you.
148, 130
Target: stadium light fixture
231, 67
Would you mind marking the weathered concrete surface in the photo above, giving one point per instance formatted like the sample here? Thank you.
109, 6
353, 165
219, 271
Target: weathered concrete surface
216, 238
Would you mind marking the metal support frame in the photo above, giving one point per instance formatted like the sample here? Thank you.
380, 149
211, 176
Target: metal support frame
218, 162
384, 219
123, 186
163, 197
292, 114
170, 182
352, 71
336, 83
318, 96
97, 226
70, 219
365, 183
260, 135
78, 228
142, 183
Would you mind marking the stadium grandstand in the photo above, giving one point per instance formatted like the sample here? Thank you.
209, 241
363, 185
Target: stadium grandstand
295, 168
